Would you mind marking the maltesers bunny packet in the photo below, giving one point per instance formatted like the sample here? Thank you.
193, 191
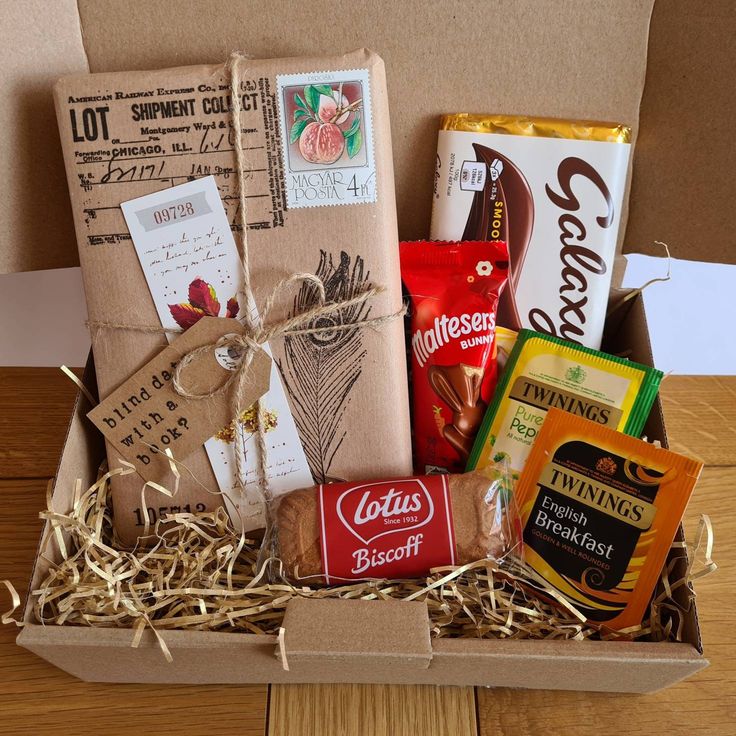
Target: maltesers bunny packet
454, 290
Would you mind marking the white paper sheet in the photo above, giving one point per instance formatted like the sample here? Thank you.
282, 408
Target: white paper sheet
690, 316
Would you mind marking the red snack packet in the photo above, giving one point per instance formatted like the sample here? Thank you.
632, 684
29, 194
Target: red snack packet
454, 290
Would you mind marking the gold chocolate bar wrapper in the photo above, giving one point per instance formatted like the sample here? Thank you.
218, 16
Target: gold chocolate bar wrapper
581, 130
553, 190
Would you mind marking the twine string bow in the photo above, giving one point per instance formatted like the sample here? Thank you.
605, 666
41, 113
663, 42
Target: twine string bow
259, 334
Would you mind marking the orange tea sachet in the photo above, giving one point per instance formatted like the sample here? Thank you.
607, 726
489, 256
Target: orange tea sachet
599, 511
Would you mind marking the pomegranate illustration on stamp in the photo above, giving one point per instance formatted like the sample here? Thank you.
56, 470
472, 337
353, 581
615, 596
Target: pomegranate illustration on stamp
327, 138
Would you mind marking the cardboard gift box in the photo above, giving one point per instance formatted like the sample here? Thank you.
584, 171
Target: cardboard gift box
597, 73
357, 641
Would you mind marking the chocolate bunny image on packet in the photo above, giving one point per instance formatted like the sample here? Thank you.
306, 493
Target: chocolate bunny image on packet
459, 386
454, 290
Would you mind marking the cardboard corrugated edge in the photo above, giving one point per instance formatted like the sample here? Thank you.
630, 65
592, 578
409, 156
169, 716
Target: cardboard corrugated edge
217, 657
363, 649
80, 434
629, 329
684, 186
36, 229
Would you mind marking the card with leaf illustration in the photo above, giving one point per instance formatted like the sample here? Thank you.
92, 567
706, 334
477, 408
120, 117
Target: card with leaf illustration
193, 270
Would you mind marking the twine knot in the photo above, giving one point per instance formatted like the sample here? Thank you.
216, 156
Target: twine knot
260, 331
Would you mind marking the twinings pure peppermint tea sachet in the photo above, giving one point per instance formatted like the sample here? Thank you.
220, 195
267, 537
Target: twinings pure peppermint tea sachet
545, 372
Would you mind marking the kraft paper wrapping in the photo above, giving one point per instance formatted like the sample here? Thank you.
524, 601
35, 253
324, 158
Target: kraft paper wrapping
348, 393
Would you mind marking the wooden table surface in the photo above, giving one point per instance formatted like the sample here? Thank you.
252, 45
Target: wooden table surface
37, 698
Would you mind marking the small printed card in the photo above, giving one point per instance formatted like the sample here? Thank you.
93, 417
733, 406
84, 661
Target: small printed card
145, 415
191, 263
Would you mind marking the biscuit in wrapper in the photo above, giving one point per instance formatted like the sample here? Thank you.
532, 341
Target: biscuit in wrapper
422, 523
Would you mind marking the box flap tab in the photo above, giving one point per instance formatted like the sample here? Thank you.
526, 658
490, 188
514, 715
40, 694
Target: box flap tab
495, 58
375, 632
501, 57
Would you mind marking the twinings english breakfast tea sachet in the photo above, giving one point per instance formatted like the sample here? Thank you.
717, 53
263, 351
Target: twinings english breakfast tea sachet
599, 511
544, 372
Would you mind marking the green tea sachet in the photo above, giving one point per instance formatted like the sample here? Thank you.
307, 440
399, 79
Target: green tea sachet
543, 372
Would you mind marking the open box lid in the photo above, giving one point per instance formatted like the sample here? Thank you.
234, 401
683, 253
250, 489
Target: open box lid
573, 59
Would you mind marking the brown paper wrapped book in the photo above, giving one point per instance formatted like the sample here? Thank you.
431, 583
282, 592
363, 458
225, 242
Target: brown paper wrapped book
319, 184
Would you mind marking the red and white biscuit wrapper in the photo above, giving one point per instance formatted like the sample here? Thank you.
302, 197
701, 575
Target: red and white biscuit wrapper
397, 528
454, 290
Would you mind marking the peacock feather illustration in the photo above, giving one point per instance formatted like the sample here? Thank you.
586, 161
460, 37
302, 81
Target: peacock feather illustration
320, 371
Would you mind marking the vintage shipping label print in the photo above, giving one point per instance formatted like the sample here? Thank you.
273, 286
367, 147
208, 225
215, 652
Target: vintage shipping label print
327, 138
139, 138
192, 267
